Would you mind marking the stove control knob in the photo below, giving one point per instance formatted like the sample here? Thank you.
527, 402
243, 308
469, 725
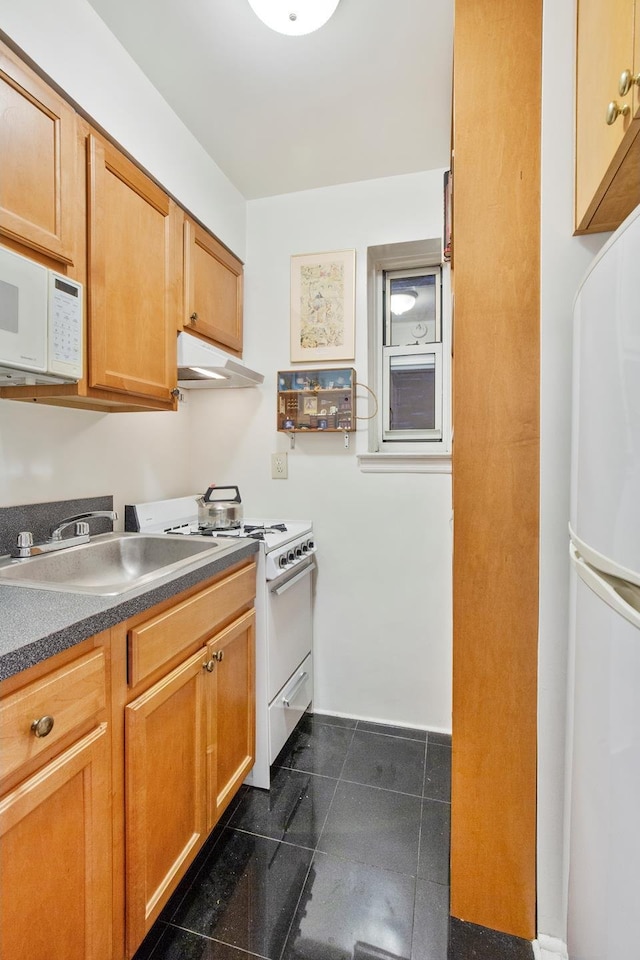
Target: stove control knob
298, 552
282, 561
291, 556
311, 544
304, 547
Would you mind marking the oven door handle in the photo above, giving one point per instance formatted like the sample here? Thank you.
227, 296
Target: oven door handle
283, 586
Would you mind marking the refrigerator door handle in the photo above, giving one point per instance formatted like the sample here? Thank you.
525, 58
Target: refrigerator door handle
621, 596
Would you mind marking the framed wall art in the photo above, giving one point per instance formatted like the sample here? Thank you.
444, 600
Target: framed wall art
323, 306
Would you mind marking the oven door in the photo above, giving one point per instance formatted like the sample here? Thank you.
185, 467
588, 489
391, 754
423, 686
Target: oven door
289, 624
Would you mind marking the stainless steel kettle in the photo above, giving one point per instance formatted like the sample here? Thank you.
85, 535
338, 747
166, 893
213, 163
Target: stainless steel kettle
216, 509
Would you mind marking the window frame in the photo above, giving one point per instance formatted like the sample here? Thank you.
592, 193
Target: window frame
415, 453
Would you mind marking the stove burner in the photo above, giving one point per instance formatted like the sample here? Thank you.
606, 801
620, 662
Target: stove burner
274, 528
254, 531
210, 530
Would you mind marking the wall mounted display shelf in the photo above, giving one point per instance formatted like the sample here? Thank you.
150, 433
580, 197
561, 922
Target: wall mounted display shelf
315, 400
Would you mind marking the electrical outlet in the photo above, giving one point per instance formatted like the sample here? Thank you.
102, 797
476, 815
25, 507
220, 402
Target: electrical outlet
279, 466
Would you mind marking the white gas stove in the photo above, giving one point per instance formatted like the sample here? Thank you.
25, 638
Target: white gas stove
284, 665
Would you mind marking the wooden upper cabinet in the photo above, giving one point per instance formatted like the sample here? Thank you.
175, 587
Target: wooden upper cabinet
38, 158
607, 155
212, 289
134, 277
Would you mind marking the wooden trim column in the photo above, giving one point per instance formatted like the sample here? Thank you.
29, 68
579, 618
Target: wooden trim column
496, 260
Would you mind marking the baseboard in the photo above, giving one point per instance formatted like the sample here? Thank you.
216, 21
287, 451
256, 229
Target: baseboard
549, 948
386, 723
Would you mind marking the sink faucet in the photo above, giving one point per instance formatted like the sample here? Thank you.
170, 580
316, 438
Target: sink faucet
25, 547
56, 533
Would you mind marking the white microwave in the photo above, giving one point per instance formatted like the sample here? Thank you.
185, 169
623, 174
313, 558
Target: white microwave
40, 323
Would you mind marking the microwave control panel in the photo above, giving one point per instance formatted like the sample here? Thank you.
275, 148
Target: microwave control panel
65, 327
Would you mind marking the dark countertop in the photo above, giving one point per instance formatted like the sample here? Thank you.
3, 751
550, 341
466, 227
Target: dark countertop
36, 624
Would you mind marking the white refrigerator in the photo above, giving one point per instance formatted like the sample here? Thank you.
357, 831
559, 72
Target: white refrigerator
604, 663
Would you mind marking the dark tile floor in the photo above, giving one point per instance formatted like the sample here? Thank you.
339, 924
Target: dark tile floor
346, 857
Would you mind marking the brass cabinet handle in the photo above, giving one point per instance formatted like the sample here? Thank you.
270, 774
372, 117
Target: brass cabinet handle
626, 81
209, 665
43, 726
219, 655
194, 317
614, 110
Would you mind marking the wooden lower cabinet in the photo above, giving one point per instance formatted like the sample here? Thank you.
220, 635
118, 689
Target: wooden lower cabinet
165, 809
189, 744
55, 858
231, 714
152, 735
189, 735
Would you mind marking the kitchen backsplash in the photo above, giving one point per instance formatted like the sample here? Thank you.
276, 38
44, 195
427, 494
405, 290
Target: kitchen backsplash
41, 518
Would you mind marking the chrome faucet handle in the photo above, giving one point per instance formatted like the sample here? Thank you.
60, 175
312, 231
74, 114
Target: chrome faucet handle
56, 533
24, 545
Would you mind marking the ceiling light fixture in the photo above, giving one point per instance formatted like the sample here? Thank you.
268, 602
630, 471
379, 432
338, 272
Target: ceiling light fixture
401, 302
294, 17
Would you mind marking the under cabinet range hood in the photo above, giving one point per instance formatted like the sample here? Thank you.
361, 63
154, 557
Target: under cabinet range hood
203, 366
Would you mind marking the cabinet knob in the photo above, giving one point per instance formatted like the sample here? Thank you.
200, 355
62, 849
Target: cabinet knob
209, 665
43, 726
219, 655
614, 110
194, 317
175, 393
626, 81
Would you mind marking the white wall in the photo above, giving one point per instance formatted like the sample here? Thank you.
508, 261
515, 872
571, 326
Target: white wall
54, 453
564, 260
383, 591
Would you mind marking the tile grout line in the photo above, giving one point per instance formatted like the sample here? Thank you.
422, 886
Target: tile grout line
203, 936
415, 889
334, 792
295, 909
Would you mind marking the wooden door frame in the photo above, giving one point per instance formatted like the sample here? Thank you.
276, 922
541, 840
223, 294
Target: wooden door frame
496, 272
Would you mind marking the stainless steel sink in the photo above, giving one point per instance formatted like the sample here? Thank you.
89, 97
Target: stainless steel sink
112, 563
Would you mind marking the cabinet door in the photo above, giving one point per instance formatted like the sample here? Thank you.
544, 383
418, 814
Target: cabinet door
134, 277
38, 150
605, 47
55, 858
230, 714
165, 817
213, 289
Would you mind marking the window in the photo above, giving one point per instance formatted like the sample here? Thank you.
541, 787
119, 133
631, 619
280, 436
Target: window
412, 355
409, 350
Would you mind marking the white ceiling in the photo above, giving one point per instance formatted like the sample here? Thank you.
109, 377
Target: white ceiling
366, 96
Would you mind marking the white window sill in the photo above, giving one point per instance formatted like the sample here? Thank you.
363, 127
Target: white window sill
404, 462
